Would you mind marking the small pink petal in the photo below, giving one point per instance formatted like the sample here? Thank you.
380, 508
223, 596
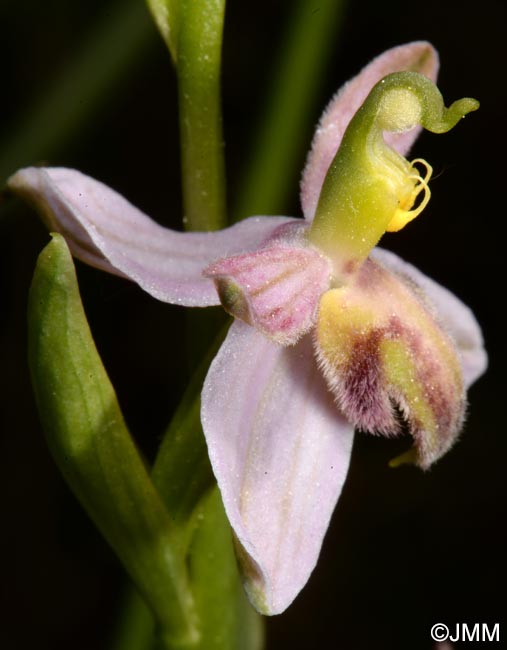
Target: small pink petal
280, 451
276, 289
418, 56
104, 230
453, 315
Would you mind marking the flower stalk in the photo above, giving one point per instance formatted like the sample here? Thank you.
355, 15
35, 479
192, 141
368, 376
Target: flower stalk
193, 32
202, 149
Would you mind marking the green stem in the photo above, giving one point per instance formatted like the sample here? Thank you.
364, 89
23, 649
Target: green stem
183, 477
184, 480
86, 82
198, 65
272, 173
182, 472
135, 626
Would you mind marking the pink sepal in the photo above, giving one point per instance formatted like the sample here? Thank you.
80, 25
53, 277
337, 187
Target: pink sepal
452, 314
280, 451
104, 230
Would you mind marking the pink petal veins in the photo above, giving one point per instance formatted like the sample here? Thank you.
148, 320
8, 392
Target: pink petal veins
418, 56
280, 451
104, 230
276, 289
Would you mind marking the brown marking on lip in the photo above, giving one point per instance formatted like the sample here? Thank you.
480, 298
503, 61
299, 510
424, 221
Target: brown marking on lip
444, 398
350, 266
370, 402
425, 391
363, 395
370, 278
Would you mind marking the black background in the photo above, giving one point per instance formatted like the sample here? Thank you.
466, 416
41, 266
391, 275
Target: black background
405, 549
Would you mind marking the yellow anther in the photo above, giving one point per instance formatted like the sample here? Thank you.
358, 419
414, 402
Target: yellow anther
404, 214
426, 165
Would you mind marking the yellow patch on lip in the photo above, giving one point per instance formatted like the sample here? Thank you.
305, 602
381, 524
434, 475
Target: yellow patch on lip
383, 355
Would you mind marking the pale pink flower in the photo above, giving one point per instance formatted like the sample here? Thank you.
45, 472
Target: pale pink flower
302, 364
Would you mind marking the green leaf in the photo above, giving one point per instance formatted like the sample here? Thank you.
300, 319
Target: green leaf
227, 620
94, 450
165, 14
182, 472
184, 479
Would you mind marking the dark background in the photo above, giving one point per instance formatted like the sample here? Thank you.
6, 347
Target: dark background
405, 549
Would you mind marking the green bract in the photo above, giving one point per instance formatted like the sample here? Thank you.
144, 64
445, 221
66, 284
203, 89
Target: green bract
92, 446
165, 14
158, 535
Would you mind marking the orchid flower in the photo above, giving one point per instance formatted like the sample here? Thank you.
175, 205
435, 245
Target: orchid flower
330, 333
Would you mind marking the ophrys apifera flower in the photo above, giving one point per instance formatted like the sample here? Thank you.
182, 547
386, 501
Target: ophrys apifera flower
330, 334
